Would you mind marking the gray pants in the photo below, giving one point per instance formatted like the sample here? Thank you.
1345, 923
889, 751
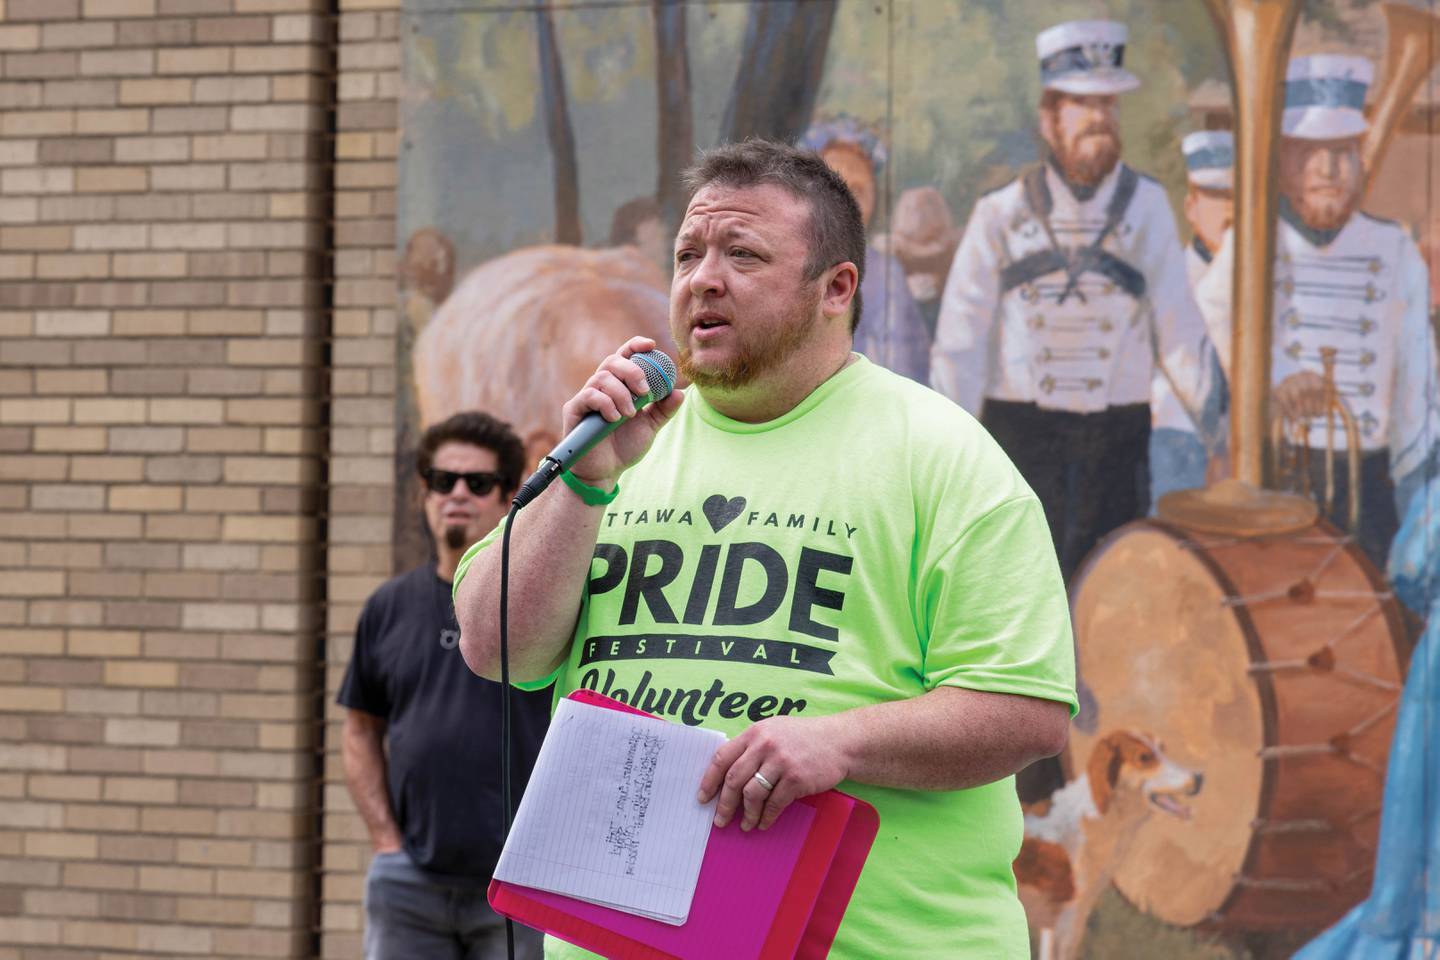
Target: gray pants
408, 916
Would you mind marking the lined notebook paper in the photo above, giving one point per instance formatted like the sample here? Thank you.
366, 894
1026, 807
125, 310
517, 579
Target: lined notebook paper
610, 815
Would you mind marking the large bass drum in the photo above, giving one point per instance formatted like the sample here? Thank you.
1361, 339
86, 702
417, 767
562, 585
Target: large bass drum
1272, 665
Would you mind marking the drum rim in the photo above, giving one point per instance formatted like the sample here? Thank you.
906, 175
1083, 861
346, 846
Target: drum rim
1384, 596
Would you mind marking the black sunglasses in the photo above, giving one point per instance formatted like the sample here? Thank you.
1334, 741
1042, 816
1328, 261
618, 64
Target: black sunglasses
443, 481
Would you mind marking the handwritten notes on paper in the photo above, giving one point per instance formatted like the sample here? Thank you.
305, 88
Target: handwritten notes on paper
633, 793
610, 815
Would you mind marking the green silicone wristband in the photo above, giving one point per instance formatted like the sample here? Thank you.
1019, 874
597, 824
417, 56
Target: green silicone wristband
594, 496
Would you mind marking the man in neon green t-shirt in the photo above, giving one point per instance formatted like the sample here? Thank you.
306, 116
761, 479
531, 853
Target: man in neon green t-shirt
833, 565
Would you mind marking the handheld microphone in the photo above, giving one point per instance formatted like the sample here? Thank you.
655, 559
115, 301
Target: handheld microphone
659, 376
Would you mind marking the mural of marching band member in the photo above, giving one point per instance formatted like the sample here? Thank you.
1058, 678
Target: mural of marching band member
923, 237
1068, 289
1178, 457
891, 331
1349, 282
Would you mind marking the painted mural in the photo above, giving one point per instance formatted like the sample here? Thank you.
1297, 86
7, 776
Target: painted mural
1172, 253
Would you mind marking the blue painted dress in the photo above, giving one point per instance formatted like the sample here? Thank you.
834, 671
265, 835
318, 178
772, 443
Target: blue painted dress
1401, 918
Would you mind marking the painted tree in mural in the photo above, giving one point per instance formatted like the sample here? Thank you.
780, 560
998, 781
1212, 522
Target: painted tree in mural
559, 131
776, 85
780, 71
676, 134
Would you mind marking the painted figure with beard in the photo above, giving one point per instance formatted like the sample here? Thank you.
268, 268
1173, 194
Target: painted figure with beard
414, 756
1352, 283
1178, 456
1067, 295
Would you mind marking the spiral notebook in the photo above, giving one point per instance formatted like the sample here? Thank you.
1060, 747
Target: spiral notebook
610, 816
771, 896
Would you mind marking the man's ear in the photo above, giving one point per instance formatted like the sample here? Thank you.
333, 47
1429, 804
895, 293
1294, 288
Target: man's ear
840, 286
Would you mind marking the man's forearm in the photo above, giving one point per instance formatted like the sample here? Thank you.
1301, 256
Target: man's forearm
364, 759
550, 552
948, 739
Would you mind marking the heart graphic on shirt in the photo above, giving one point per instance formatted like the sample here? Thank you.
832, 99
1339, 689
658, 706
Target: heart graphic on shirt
720, 511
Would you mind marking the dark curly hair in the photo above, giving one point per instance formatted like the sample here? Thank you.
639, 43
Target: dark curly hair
837, 233
480, 430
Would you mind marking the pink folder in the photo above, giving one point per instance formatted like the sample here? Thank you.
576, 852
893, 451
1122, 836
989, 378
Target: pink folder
771, 896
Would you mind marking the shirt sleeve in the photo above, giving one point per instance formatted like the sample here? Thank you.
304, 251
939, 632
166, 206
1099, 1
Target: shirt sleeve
959, 358
493, 538
463, 567
363, 688
997, 614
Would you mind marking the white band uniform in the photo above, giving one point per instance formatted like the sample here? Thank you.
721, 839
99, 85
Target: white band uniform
1365, 295
1102, 345
1362, 291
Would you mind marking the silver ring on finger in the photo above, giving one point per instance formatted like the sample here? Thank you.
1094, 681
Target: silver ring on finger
764, 782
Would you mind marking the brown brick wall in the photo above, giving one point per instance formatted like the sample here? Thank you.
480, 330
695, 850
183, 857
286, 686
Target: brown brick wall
166, 171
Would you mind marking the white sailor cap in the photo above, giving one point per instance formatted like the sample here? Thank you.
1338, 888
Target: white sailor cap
1325, 97
1210, 159
1085, 57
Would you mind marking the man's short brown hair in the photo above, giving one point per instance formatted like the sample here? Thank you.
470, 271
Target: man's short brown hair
479, 430
837, 233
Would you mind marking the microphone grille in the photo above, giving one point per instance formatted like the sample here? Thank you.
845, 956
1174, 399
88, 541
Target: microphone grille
659, 372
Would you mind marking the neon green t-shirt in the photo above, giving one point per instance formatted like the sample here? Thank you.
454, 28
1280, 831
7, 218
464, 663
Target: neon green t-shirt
869, 545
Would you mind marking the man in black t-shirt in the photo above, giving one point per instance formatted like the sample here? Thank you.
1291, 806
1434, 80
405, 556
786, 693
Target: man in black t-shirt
431, 796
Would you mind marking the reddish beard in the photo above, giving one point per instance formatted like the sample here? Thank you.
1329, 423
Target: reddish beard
1086, 159
1329, 212
758, 352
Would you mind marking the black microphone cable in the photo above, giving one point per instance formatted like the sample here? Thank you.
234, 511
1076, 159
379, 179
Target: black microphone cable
505, 736
660, 377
